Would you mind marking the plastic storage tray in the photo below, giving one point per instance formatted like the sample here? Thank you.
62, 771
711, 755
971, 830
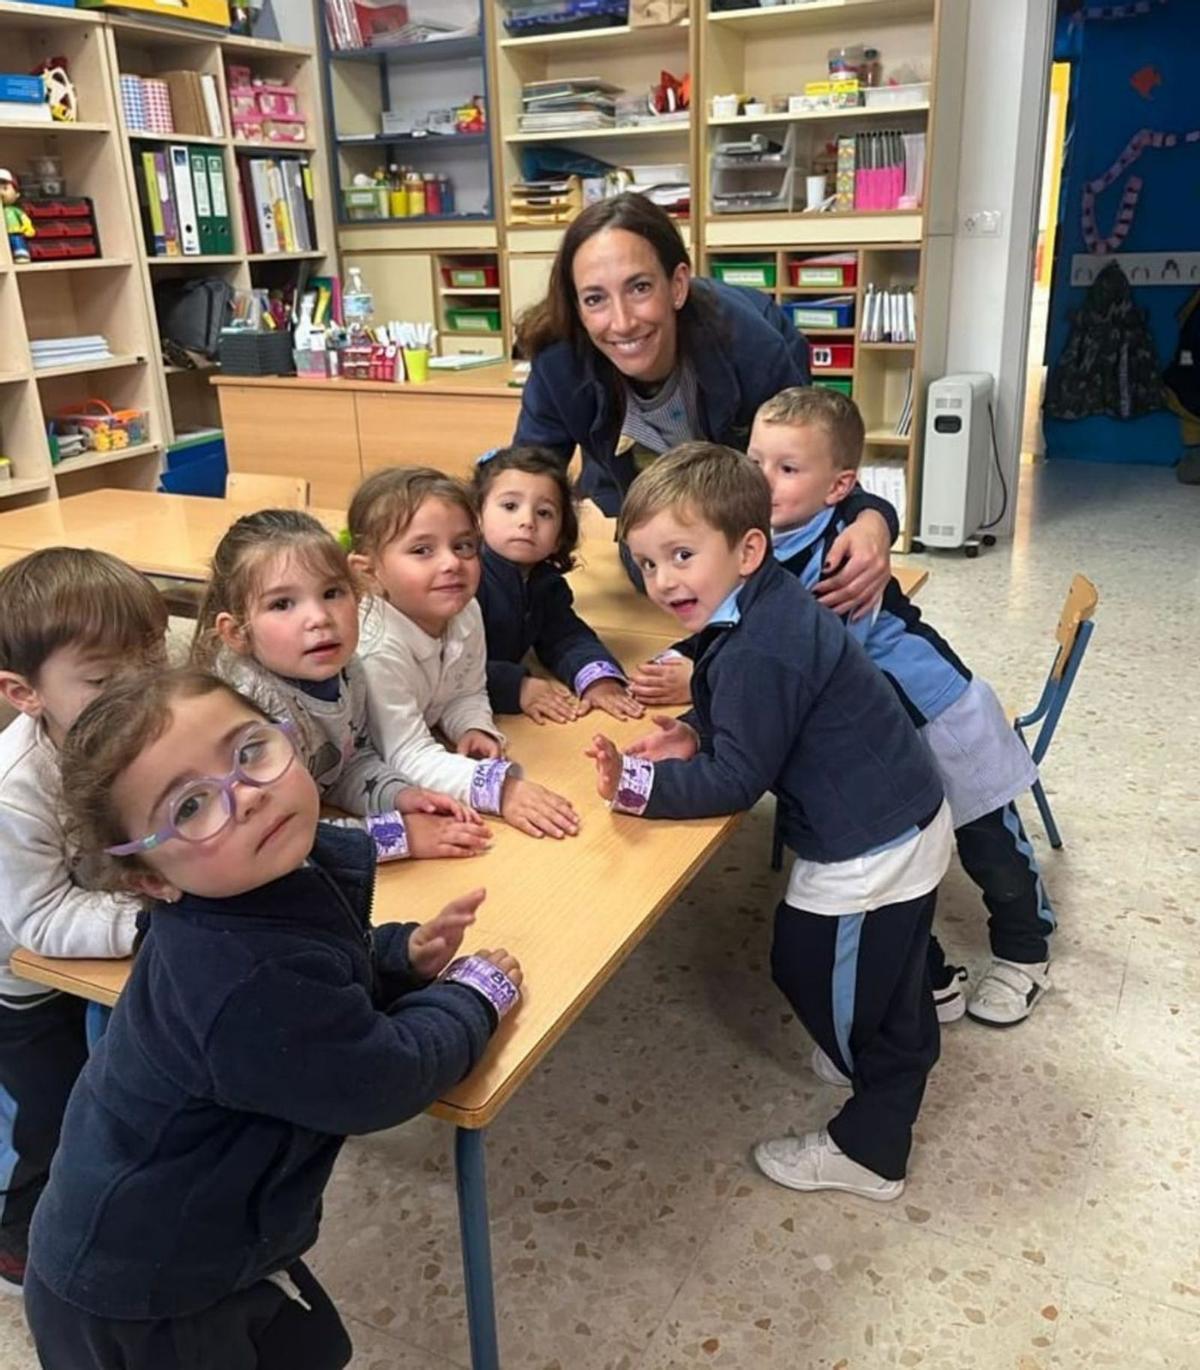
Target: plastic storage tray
831, 356
760, 274
837, 274
818, 314
473, 320
486, 276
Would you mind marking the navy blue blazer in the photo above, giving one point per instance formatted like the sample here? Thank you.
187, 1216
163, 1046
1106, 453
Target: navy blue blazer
537, 612
754, 352
255, 1032
785, 700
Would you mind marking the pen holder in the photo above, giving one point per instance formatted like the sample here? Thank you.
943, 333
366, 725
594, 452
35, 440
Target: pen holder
416, 363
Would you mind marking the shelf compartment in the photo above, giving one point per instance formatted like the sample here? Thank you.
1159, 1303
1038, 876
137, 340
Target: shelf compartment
443, 142
604, 38
415, 54
32, 126
72, 264
89, 460
142, 135
819, 115
884, 437
112, 363
567, 135
14, 486
830, 15
202, 259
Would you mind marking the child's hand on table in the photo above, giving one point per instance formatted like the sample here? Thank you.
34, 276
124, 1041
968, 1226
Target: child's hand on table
547, 702
613, 697
432, 946
479, 746
536, 810
659, 683
603, 752
505, 961
433, 835
414, 799
674, 740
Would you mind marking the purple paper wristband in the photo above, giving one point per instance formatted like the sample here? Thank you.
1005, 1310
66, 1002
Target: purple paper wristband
487, 784
594, 671
487, 979
634, 786
390, 835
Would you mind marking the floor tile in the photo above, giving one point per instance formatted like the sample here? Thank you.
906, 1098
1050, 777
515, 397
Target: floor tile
1100, 1329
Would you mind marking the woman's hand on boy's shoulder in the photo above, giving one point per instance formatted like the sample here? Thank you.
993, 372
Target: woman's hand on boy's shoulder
857, 568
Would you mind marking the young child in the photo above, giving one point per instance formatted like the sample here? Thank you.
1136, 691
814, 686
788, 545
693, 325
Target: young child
69, 619
263, 1021
415, 540
279, 622
809, 444
786, 701
530, 532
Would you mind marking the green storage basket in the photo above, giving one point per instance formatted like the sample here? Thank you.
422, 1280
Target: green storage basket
842, 387
760, 274
473, 320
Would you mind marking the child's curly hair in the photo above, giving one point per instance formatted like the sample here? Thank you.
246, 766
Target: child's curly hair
535, 461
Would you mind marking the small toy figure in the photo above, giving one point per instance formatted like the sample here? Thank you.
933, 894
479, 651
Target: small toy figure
17, 224
60, 90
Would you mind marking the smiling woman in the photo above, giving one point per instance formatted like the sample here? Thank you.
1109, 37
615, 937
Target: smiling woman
631, 356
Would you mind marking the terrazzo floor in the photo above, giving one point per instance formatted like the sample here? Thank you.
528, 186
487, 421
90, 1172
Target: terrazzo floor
1052, 1215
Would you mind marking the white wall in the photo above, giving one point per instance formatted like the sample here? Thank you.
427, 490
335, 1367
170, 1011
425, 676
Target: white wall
1009, 47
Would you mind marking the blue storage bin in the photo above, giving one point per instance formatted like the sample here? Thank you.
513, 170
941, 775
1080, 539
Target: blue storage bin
196, 465
812, 315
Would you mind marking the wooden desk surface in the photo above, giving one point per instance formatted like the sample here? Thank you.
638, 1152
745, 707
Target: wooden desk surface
571, 910
492, 379
169, 535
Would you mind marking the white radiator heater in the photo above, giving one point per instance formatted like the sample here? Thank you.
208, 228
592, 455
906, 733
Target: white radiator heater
954, 477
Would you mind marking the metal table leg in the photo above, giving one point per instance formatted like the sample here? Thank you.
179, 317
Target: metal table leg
476, 1248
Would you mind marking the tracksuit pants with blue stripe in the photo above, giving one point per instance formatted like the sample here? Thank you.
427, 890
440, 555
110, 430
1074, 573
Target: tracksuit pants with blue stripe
859, 983
998, 856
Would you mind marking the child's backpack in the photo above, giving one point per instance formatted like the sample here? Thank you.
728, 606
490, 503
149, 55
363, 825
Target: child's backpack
1109, 365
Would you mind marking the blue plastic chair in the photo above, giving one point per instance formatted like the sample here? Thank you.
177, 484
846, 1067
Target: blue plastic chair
1073, 634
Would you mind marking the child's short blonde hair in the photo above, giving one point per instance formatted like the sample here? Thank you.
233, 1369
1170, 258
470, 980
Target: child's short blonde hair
241, 559
387, 502
74, 597
102, 743
836, 414
721, 487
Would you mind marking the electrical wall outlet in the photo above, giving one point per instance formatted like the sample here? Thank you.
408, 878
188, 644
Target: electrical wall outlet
983, 223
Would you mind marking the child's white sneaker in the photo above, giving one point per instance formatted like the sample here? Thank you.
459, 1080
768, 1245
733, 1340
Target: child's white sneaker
1008, 992
814, 1162
951, 1000
824, 1068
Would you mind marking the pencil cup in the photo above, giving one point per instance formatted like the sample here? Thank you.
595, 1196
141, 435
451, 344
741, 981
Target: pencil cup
416, 361
814, 187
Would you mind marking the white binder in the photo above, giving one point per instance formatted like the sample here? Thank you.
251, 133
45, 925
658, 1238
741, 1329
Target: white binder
185, 202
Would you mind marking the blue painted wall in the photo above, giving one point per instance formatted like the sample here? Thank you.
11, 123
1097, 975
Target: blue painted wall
1106, 111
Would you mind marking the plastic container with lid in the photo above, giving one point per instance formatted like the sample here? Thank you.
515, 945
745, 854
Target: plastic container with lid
416, 194
433, 194
847, 61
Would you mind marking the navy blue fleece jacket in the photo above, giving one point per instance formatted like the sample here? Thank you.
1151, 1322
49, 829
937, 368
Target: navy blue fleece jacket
535, 612
254, 1034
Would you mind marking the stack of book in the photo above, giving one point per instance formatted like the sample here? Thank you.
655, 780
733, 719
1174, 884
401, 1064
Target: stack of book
184, 200
277, 196
363, 23
51, 352
568, 104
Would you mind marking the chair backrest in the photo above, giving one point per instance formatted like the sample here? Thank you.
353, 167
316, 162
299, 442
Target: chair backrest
1078, 607
267, 492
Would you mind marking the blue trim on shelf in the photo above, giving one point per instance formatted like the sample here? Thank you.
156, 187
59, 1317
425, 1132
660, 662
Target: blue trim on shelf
410, 54
443, 142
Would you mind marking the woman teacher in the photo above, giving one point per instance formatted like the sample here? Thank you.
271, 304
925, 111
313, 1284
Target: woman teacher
631, 355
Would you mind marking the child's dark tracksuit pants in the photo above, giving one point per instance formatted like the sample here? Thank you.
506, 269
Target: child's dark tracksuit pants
859, 983
998, 856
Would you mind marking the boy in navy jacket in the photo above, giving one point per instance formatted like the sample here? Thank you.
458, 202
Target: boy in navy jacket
264, 1020
785, 701
809, 444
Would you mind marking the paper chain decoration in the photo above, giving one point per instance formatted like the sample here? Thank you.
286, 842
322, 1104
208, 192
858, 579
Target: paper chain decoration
1127, 11
1146, 138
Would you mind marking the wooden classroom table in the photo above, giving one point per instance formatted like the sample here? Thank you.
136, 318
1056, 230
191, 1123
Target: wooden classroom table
622, 874
336, 432
165, 535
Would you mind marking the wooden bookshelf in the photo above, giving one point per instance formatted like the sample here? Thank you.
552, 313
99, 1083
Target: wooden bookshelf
113, 294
